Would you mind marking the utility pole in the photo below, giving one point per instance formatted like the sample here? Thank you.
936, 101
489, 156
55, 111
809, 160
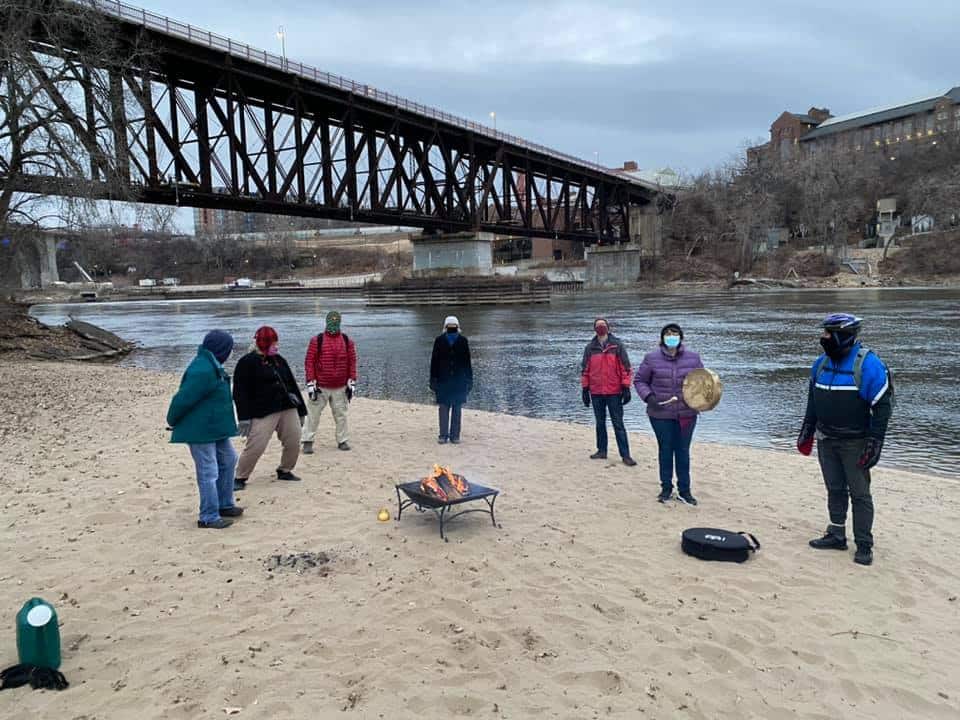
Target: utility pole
282, 37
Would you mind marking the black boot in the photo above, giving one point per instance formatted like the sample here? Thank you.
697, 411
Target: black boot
864, 555
834, 539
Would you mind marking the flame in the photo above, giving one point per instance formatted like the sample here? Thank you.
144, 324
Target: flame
444, 483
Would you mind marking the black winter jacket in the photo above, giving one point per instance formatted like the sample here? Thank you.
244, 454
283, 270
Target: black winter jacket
451, 374
261, 385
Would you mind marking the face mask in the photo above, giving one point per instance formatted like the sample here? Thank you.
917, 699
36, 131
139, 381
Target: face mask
836, 346
273, 350
672, 341
452, 331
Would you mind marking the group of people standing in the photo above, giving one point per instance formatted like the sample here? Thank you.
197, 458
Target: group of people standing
265, 400
849, 404
606, 378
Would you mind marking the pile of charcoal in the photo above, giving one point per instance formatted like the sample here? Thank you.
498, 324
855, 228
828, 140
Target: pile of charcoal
300, 563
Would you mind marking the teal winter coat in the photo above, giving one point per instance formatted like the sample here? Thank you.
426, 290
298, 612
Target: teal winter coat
202, 409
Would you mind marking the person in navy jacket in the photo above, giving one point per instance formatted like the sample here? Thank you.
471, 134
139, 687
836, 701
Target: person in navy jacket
849, 404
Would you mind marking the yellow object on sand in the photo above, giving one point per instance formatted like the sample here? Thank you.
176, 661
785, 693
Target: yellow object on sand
383, 515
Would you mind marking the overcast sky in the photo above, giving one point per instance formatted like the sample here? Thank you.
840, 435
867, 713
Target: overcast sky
679, 83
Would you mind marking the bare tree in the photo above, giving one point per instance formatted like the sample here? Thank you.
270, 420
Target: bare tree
60, 69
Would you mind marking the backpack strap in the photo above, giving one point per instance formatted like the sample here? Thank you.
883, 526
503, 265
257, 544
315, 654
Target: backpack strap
858, 364
857, 372
346, 339
751, 540
820, 366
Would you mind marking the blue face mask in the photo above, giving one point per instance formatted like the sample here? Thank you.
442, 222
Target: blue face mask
672, 341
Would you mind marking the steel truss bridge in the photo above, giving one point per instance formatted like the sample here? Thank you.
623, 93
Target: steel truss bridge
207, 122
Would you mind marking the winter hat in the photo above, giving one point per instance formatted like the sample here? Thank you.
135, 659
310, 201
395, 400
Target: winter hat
671, 326
451, 321
265, 337
219, 343
333, 322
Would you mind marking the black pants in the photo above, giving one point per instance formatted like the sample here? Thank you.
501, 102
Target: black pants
602, 403
450, 420
847, 484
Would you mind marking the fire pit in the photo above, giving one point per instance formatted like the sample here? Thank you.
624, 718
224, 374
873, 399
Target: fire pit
441, 492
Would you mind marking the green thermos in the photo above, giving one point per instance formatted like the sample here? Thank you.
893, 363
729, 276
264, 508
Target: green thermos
38, 634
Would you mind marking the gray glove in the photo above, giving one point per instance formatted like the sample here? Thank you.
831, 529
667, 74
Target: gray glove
243, 427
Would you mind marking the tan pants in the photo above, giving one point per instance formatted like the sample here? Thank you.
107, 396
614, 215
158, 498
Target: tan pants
287, 426
337, 399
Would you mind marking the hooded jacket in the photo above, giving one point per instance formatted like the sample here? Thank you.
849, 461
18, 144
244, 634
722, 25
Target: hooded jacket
202, 411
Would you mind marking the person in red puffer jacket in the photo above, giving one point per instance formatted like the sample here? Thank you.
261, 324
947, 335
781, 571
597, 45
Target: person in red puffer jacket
331, 370
605, 383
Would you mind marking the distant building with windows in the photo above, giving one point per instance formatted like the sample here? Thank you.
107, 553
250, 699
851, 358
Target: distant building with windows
210, 222
898, 127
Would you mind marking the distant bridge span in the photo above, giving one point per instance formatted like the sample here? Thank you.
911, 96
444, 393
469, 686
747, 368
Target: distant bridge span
212, 123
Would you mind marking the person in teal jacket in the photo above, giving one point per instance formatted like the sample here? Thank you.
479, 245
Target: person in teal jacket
201, 415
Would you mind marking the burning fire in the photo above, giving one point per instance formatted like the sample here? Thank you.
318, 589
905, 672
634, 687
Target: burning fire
444, 484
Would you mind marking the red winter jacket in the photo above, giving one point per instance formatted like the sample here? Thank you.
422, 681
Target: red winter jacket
605, 370
334, 364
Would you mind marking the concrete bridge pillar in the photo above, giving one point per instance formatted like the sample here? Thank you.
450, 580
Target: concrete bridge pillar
613, 266
47, 250
646, 229
453, 254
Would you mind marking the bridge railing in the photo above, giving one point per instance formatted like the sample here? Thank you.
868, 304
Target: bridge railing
163, 24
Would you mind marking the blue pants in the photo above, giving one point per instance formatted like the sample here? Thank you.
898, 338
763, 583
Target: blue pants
216, 464
602, 403
451, 415
674, 444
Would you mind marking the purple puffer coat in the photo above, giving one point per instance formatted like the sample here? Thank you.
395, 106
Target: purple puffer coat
663, 374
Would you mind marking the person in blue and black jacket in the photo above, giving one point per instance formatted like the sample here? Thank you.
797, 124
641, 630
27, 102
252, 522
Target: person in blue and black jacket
849, 403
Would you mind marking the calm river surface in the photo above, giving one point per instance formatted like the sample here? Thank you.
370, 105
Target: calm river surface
526, 357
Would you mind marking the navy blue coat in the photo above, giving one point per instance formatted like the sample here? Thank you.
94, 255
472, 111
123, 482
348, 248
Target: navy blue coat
451, 374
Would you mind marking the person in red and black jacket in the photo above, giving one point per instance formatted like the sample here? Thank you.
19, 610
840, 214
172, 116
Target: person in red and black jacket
331, 370
605, 381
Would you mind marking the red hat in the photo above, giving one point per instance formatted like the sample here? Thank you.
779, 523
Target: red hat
265, 337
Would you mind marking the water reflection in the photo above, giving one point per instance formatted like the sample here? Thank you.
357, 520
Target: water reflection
526, 358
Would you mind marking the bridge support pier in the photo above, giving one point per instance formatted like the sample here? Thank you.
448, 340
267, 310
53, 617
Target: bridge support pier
453, 254
613, 266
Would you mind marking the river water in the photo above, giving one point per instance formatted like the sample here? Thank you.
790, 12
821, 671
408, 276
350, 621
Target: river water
526, 358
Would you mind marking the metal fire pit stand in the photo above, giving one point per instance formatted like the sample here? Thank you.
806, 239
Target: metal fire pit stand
445, 509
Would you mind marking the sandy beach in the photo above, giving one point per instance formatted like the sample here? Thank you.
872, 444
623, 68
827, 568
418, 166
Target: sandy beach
581, 605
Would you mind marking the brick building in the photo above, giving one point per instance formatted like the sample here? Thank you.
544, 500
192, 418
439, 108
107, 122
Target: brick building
211, 222
896, 127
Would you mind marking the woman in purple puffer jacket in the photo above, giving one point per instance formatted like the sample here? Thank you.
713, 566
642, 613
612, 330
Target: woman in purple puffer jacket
659, 383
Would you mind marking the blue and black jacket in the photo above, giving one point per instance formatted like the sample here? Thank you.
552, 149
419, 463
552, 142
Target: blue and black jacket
842, 408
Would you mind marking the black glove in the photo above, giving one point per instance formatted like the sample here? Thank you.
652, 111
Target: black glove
651, 400
805, 438
871, 453
625, 396
585, 394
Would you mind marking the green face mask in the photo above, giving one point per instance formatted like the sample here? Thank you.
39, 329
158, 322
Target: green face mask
333, 322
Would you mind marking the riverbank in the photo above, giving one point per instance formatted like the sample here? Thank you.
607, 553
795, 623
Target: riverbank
22, 336
581, 605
